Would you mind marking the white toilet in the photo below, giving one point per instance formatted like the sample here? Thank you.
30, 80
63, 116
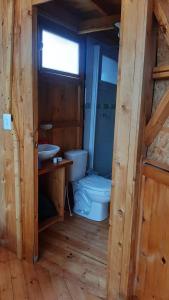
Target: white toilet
91, 193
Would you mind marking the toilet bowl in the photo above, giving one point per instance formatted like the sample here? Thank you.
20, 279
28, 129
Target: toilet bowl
92, 197
91, 193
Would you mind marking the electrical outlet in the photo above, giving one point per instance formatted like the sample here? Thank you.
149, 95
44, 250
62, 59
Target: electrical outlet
7, 122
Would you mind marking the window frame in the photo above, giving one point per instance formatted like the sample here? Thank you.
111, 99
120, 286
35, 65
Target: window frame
54, 28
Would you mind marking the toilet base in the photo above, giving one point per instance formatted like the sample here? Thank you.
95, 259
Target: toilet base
98, 212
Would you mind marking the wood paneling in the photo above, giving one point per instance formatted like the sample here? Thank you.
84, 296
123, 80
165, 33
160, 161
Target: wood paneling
151, 280
61, 103
17, 166
134, 90
8, 139
71, 13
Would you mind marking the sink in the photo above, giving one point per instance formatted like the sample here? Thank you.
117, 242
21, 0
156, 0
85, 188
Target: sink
46, 151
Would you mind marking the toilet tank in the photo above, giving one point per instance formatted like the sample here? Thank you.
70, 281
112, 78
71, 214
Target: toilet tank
78, 169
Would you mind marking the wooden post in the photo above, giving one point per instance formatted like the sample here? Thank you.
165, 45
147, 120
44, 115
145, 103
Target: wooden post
22, 109
134, 91
8, 234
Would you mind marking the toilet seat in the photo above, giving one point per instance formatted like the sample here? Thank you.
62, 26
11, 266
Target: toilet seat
97, 188
96, 183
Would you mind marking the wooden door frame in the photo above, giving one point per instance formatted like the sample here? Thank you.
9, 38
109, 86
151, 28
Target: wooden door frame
134, 102
134, 88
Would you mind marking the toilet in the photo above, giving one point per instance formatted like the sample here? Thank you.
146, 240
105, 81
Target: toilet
92, 192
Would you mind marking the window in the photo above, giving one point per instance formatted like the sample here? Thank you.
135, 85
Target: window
59, 53
109, 70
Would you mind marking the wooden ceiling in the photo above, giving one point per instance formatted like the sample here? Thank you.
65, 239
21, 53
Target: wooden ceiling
86, 9
84, 16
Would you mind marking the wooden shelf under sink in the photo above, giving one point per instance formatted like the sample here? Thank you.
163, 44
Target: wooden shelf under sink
54, 182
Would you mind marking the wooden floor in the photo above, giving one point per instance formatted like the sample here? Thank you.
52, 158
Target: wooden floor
72, 265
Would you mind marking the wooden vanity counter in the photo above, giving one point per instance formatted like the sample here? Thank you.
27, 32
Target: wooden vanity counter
48, 166
53, 179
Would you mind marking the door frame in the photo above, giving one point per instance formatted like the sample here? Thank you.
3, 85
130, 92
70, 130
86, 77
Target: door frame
134, 85
94, 100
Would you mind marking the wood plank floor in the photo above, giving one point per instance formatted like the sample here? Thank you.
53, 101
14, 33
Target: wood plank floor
77, 249
72, 265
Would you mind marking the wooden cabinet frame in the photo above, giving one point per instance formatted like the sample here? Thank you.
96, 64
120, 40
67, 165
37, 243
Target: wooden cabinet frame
134, 99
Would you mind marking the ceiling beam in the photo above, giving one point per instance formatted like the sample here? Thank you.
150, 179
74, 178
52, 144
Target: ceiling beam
98, 24
98, 7
36, 2
102, 5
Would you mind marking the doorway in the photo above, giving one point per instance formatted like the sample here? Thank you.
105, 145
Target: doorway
76, 246
133, 75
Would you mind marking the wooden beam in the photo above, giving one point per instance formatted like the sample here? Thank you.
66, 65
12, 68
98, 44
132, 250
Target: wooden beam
109, 7
161, 11
134, 86
161, 69
35, 116
161, 72
157, 120
156, 173
8, 215
156, 164
98, 24
22, 109
38, 2
99, 7
162, 75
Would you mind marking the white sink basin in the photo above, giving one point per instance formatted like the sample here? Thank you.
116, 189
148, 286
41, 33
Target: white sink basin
46, 151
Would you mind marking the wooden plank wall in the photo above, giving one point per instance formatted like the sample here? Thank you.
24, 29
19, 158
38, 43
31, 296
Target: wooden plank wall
151, 281
61, 104
152, 272
7, 172
17, 146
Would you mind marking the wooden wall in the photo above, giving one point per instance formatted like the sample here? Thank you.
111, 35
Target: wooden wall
152, 271
17, 152
61, 104
7, 155
17, 146
151, 281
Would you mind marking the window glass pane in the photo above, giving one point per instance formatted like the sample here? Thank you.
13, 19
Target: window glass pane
109, 70
60, 53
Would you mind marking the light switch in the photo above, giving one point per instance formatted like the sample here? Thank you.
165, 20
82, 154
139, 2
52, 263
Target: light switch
7, 122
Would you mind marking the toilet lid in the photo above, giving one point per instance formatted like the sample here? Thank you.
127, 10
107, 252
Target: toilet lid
96, 183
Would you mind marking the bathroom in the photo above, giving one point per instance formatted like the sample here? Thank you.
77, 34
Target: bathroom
76, 113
